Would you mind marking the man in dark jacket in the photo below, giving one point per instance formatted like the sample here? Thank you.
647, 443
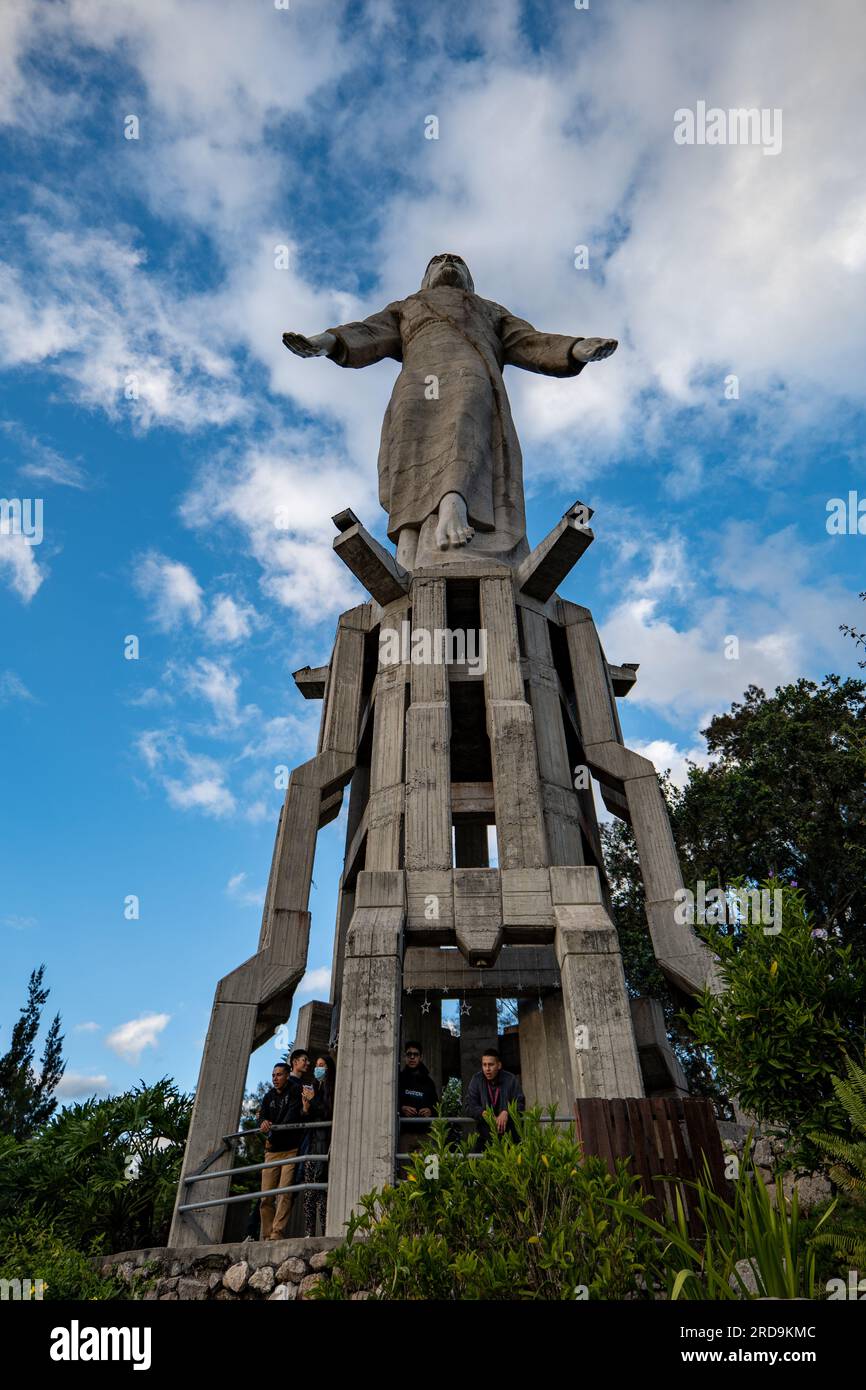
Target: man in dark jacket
416, 1096
493, 1089
282, 1105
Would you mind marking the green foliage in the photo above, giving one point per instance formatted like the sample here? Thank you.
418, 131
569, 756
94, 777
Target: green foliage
30, 1248
770, 1236
846, 1159
103, 1172
792, 1008
27, 1094
527, 1220
451, 1100
784, 796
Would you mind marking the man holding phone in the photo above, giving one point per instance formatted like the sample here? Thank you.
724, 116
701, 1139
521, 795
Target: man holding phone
282, 1105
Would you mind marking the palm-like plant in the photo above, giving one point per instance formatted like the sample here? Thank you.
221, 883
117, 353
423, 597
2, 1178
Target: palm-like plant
847, 1165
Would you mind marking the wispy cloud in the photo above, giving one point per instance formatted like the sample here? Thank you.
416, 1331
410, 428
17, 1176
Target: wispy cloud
12, 688
130, 1039
75, 1085
170, 587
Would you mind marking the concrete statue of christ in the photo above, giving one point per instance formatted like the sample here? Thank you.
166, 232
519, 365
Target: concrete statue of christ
450, 467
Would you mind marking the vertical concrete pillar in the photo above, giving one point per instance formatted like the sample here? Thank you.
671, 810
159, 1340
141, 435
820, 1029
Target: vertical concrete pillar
561, 817
516, 793
385, 806
428, 733
365, 1102
604, 1059
545, 1062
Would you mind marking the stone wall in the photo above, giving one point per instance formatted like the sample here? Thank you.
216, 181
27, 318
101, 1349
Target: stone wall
769, 1155
279, 1270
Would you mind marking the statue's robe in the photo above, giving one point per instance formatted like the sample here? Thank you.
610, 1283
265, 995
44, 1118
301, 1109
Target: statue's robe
448, 426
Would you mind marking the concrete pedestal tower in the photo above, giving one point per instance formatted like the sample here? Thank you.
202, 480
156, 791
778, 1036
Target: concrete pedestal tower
464, 695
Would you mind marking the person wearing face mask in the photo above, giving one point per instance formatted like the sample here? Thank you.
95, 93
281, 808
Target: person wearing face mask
318, 1104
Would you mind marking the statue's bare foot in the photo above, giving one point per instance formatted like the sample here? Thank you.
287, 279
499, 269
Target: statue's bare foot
453, 526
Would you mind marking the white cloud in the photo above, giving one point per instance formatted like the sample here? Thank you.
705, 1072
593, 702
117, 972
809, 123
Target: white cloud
218, 684
229, 620
235, 888
88, 1027
42, 461
18, 923
171, 589
76, 1085
280, 496
12, 688
130, 1039
201, 784
18, 561
779, 612
668, 757
316, 981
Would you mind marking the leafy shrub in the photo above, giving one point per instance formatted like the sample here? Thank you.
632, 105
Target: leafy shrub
846, 1159
104, 1173
31, 1249
792, 1009
527, 1220
752, 1229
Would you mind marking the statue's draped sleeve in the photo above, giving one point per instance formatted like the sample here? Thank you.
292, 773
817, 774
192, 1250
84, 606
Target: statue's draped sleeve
367, 341
523, 346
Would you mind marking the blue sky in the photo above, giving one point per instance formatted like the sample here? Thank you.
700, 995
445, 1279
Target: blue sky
149, 404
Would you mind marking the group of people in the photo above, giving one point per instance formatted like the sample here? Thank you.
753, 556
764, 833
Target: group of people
491, 1091
298, 1096
301, 1095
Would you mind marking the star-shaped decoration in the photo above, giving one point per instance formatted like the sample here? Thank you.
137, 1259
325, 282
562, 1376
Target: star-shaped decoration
465, 1008
425, 1007
409, 990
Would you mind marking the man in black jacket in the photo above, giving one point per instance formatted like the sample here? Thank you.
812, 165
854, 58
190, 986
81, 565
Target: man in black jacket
493, 1089
416, 1095
282, 1105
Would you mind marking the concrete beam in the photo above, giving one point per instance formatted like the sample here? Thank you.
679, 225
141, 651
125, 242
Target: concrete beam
311, 681
544, 569
371, 563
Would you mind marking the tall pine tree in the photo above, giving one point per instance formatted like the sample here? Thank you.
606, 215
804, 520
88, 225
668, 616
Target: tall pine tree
27, 1098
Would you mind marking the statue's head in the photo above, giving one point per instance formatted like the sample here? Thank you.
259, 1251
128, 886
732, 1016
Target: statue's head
448, 269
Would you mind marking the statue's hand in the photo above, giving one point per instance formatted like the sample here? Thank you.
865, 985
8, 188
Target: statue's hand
317, 346
593, 349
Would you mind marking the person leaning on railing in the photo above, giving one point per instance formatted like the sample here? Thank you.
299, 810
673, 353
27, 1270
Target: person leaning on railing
282, 1105
493, 1089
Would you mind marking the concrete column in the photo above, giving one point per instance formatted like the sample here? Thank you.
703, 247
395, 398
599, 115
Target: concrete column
385, 807
428, 734
604, 1059
516, 792
545, 1062
561, 808
365, 1103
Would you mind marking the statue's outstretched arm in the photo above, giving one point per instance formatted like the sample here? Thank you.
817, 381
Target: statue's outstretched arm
354, 344
553, 354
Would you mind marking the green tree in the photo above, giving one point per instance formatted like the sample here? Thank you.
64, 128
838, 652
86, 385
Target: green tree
793, 1008
784, 795
27, 1098
102, 1173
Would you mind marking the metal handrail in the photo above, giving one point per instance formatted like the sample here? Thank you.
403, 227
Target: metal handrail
257, 1167
263, 1134
255, 1196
